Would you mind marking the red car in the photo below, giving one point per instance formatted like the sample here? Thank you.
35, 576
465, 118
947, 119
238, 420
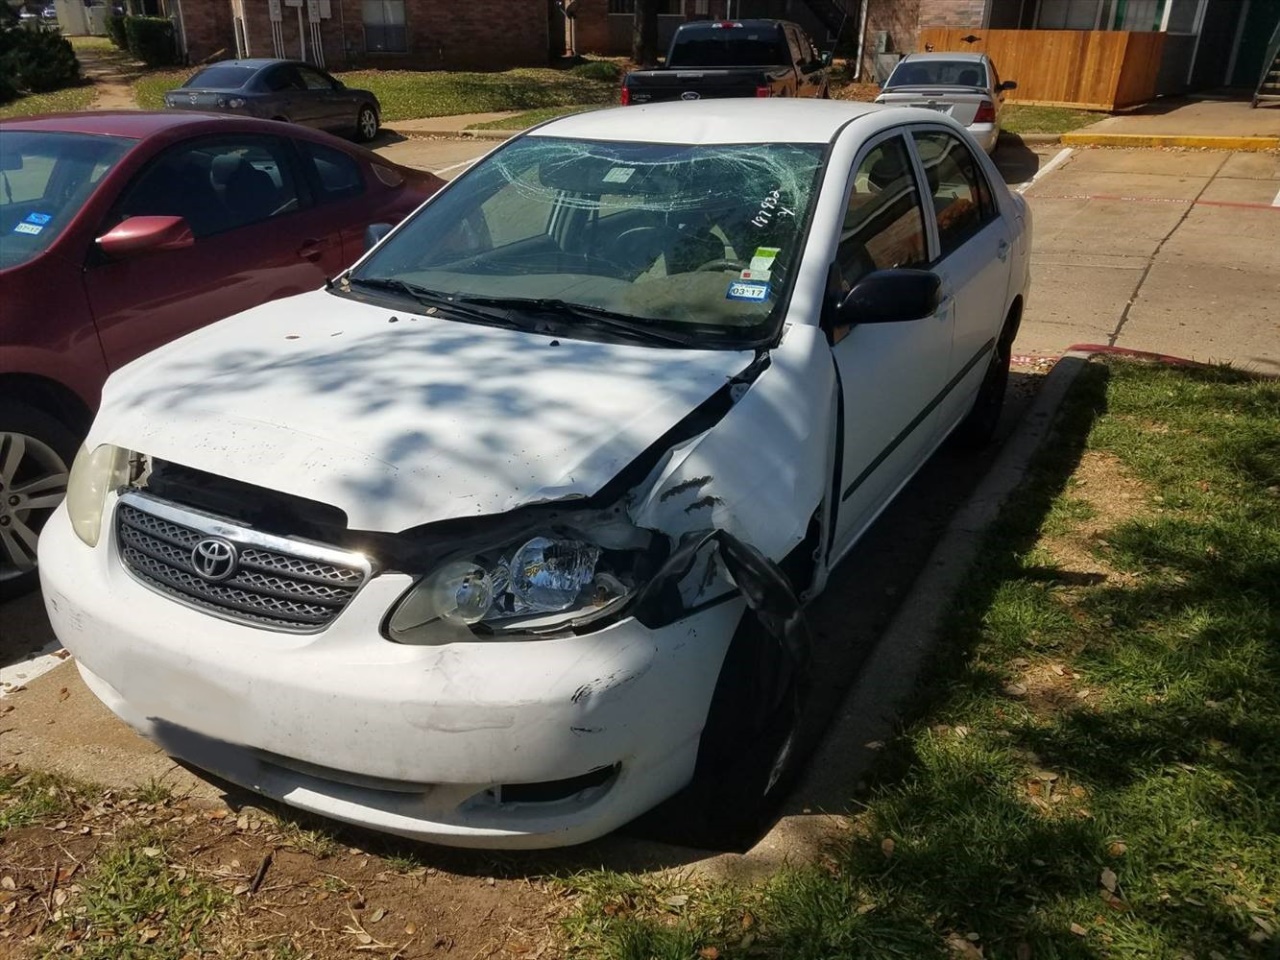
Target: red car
122, 231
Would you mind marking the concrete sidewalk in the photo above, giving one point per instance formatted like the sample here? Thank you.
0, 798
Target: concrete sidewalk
1202, 122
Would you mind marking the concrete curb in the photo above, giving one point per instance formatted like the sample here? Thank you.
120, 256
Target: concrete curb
869, 712
1155, 141
449, 134
1031, 138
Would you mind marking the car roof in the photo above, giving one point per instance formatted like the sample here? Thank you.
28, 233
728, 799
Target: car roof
714, 121
142, 124
255, 63
953, 56
733, 24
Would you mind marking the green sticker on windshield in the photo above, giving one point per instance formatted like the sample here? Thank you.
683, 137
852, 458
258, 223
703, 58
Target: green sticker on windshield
763, 258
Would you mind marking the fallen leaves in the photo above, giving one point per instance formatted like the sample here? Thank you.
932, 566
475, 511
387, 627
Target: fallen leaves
887, 846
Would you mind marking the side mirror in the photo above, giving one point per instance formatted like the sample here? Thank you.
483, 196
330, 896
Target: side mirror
890, 296
374, 233
139, 235
1008, 85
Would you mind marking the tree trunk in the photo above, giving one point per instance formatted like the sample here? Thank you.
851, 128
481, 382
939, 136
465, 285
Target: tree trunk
644, 38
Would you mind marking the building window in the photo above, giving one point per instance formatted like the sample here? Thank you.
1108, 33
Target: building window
384, 30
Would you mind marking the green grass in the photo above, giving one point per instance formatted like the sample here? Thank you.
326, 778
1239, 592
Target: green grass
28, 798
139, 904
95, 44
1022, 118
59, 101
406, 95
1142, 820
522, 121
149, 89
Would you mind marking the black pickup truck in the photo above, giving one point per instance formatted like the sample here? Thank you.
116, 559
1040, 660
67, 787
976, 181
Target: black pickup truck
734, 58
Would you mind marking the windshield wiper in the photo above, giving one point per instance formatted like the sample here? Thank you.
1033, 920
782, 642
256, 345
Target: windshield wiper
583, 315
431, 298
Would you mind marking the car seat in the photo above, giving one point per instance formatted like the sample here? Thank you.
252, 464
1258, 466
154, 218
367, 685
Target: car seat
247, 193
969, 78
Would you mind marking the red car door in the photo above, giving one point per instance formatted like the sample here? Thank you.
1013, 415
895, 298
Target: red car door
257, 238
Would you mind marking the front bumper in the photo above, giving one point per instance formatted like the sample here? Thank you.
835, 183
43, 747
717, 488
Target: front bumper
409, 740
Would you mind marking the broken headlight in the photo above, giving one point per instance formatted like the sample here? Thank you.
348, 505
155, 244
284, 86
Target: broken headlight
539, 583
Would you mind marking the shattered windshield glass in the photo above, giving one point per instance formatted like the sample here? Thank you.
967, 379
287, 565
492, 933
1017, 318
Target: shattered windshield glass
697, 241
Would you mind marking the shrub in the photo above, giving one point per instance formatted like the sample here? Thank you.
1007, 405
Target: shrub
37, 61
7, 90
151, 40
115, 31
605, 70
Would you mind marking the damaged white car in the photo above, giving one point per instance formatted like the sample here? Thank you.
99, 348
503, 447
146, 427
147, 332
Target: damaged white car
503, 538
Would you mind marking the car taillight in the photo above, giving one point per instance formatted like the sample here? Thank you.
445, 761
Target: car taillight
763, 92
986, 112
626, 96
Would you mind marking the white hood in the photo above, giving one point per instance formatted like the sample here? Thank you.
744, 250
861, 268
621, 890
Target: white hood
406, 422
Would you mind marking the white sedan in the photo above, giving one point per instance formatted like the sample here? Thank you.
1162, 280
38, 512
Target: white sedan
504, 537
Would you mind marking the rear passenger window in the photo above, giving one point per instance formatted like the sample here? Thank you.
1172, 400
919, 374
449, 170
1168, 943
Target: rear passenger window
215, 186
962, 199
339, 175
884, 222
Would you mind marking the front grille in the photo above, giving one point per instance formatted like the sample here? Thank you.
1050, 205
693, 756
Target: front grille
279, 583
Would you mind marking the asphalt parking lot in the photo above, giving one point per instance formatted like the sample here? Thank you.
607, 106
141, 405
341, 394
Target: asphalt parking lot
1167, 251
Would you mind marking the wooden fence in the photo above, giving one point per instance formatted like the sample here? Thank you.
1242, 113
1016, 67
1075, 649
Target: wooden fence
1096, 69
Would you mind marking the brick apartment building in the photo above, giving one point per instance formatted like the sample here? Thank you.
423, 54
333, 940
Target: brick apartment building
1208, 42
386, 34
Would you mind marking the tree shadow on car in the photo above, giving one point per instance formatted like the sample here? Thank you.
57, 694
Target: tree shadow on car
861, 599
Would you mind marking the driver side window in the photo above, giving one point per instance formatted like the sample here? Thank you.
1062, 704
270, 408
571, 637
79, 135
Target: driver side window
215, 186
884, 221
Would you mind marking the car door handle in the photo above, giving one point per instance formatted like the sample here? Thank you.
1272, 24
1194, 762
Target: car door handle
1002, 250
311, 250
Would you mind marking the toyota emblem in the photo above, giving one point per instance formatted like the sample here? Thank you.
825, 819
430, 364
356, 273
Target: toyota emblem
214, 558
691, 95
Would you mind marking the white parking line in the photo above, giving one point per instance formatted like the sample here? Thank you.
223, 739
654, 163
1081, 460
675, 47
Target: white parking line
19, 674
1057, 161
464, 163
1276, 201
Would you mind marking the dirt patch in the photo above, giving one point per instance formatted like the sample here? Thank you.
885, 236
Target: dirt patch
284, 892
1109, 497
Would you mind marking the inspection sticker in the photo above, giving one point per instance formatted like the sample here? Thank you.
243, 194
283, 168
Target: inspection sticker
619, 174
30, 228
760, 276
745, 290
764, 257
39, 219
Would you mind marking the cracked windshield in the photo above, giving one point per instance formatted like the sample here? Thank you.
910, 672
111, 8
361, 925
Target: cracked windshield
688, 244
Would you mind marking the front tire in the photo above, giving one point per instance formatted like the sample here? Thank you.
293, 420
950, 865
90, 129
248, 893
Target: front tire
747, 757
978, 428
366, 124
36, 451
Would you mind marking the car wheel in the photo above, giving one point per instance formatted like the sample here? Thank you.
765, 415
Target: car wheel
35, 457
747, 757
979, 426
366, 124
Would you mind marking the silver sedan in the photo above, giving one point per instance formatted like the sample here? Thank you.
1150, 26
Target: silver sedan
965, 86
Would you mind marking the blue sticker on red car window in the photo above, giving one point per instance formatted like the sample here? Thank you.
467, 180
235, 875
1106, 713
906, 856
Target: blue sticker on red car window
748, 291
33, 223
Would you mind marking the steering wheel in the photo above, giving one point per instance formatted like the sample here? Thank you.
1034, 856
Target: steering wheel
720, 263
